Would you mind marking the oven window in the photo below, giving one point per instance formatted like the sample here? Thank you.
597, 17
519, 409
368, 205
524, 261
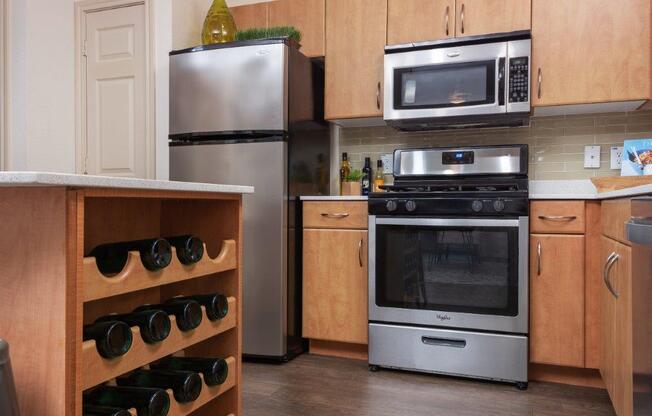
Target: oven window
450, 85
453, 269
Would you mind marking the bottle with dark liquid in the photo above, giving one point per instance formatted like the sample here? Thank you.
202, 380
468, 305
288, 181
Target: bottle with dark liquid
154, 324
366, 176
112, 338
190, 249
147, 401
215, 370
217, 305
155, 254
104, 411
188, 313
186, 385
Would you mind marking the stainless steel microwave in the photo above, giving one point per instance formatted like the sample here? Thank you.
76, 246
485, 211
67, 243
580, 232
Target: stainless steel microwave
460, 82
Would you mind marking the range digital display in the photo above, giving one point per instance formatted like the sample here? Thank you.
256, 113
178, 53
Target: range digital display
458, 158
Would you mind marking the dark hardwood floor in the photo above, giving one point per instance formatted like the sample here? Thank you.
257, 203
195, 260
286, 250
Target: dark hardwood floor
320, 386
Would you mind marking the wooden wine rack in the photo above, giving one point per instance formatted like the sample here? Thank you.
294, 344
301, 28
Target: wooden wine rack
51, 288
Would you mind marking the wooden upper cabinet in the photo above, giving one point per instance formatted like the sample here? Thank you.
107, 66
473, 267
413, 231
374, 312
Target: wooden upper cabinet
557, 299
356, 33
419, 20
250, 16
590, 51
479, 17
308, 16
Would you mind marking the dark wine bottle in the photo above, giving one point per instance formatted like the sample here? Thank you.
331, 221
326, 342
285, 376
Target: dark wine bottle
215, 370
154, 325
186, 385
188, 313
147, 401
155, 254
190, 249
366, 176
104, 411
217, 305
112, 338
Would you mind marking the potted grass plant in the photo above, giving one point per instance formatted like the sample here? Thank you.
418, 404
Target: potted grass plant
352, 185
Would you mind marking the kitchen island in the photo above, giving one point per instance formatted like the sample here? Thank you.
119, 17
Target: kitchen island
51, 287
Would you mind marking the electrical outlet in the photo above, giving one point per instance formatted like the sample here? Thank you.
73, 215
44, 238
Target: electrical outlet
616, 158
591, 157
388, 163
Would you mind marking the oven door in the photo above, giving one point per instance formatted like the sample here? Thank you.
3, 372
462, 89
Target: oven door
448, 82
459, 273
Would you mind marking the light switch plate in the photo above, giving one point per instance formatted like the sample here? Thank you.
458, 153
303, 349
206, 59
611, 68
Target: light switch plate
388, 163
616, 157
591, 157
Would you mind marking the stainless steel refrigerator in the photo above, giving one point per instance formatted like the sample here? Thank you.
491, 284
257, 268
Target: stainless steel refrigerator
251, 113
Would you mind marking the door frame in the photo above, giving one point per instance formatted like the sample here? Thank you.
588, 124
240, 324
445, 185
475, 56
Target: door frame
82, 8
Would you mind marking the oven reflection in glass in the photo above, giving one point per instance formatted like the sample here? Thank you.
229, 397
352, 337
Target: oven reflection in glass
456, 269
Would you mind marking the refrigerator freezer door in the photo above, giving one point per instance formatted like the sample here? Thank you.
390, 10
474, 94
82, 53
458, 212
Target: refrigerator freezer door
263, 165
229, 90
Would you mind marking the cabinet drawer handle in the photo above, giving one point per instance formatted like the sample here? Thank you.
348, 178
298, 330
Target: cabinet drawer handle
539, 82
447, 18
611, 260
444, 342
339, 215
539, 258
360, 252
557, 217
378, 96
462, 17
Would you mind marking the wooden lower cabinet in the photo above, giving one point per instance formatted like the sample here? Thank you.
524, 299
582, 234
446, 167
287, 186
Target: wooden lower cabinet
616, 360
557, 316
335, 285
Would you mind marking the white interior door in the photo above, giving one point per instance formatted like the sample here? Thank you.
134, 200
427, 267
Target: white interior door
115, 53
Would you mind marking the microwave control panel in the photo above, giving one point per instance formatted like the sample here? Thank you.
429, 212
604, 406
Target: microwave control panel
519, 80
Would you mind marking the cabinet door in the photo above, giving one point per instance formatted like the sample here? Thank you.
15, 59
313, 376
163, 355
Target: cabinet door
478, 17
307, 16
250, 16
590, 51
356, 33
335, 285
557, 299
419, 20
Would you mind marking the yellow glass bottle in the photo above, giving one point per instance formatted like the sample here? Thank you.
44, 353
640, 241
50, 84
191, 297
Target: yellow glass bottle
219, 26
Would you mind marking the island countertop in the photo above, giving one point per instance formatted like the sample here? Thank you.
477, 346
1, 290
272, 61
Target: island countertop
16, 179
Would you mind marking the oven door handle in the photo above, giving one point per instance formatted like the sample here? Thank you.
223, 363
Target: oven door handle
450, 222
444, 342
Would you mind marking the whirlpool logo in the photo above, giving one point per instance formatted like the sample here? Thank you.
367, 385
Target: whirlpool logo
443, 317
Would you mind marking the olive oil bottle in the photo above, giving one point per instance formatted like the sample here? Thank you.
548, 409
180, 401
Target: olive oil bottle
345, 170
219, 26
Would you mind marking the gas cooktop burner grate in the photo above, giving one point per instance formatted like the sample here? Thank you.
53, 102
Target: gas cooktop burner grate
450, 188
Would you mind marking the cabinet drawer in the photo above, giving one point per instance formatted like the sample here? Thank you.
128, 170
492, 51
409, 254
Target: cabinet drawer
615, 214
335, 214
557, 217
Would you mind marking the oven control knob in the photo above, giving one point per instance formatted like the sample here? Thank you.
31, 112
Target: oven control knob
391, 206
499, 205
477, 206
411, 206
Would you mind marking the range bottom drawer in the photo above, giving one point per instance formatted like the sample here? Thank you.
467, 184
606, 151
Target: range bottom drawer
462, 353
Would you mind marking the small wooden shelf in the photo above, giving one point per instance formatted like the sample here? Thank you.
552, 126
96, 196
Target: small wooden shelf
96, 370
136, 277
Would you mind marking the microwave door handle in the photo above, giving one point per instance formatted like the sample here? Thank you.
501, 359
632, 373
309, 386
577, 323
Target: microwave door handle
502, 94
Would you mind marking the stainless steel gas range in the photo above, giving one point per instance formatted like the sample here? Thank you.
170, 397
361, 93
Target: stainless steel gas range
448, 264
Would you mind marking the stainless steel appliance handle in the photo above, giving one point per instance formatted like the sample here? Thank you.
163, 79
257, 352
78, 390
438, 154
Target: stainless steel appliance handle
338, 215
639, 231
449, 222
444, 342
611, 260
539, 258
378, 96
447, 18
539, 82
360, 252
557, 217
462, 17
